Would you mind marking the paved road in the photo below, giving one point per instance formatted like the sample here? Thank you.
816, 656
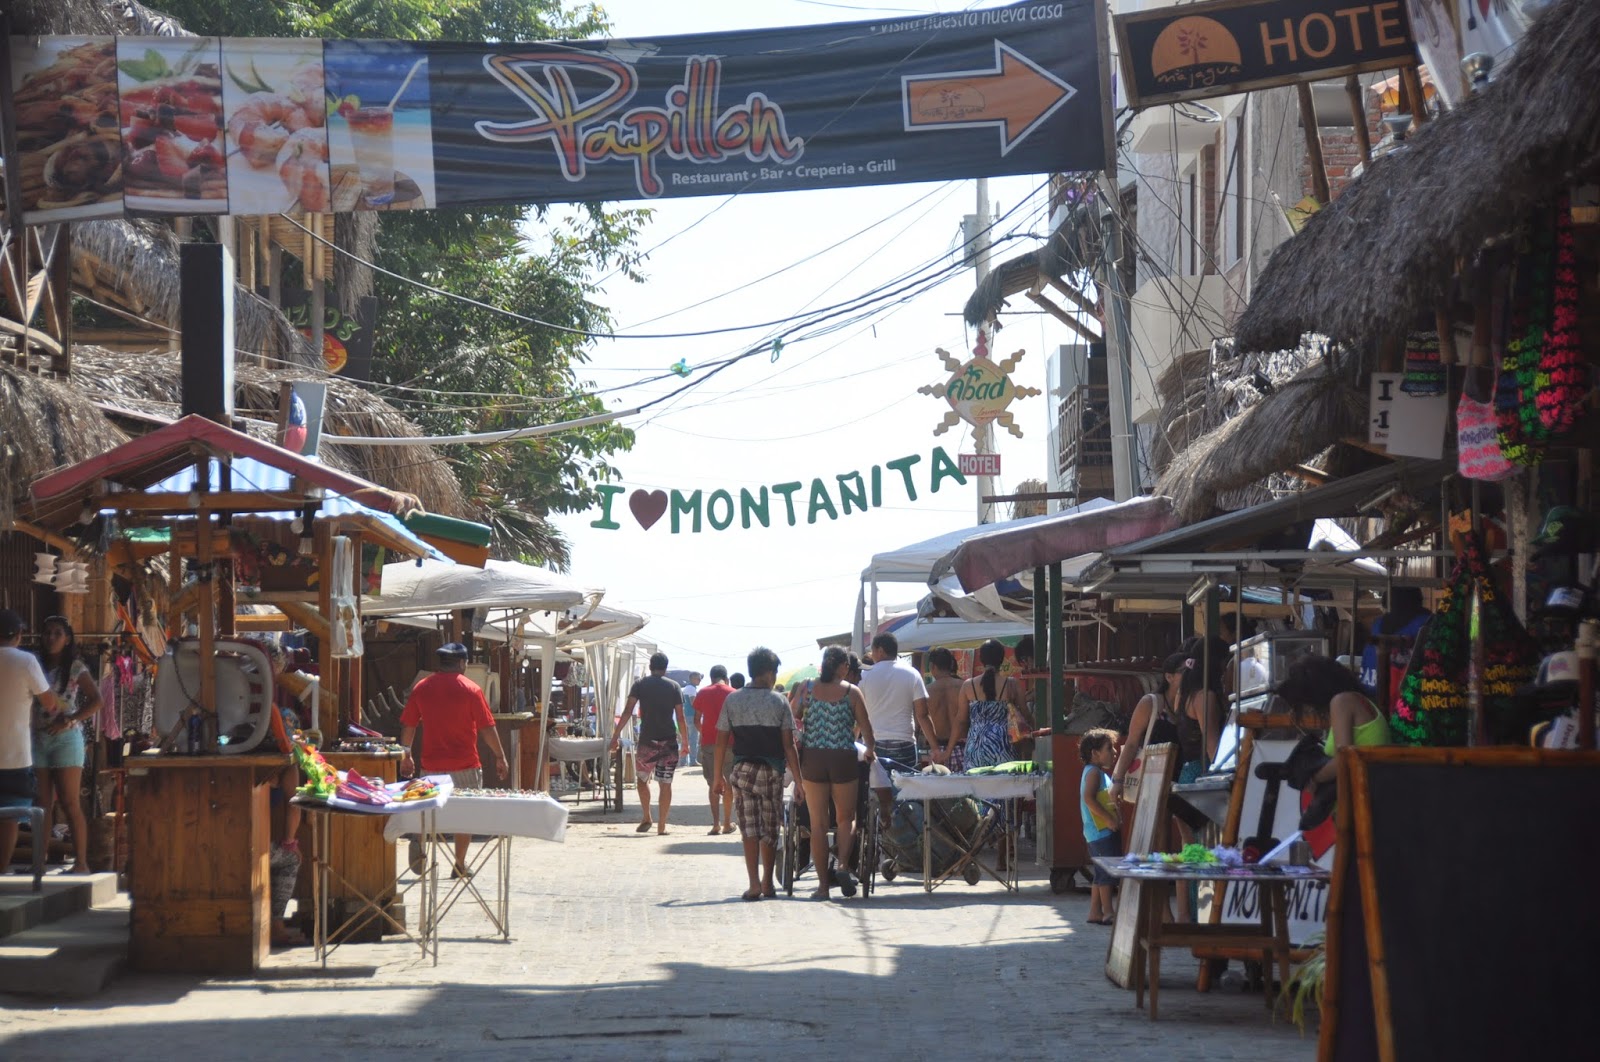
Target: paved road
630, 946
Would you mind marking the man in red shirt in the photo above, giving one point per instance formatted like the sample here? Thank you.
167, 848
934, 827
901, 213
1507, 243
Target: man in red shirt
452, 711
707, 710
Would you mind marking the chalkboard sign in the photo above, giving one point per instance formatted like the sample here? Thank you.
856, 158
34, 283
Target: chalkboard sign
1149, 822
1462, 923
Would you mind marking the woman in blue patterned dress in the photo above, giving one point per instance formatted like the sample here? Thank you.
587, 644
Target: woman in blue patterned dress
829, 769
986, 725
991, 706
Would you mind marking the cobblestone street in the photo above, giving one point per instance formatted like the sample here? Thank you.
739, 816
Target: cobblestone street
629, 945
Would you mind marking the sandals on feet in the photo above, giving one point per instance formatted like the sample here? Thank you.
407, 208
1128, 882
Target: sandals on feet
643, 827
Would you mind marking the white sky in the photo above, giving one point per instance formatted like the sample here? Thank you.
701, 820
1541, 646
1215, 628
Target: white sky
833, 405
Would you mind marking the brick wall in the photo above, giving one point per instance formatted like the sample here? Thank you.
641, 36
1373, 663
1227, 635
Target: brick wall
1341, 154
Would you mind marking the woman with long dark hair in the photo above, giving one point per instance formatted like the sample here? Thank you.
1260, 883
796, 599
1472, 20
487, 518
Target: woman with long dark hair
58, 746
1330, 690
1143, 729
984, 729
1199, 714
985, 726
830, 772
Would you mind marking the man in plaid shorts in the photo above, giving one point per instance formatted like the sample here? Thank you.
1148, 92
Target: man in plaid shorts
757, 730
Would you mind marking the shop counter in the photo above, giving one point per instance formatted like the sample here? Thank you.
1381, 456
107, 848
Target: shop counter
197, 877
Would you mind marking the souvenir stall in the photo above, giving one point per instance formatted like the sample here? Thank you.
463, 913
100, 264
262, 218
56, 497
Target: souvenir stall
198, 800
1457, 278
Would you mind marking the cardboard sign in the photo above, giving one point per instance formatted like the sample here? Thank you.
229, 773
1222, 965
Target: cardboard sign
1202, 50
1406, 425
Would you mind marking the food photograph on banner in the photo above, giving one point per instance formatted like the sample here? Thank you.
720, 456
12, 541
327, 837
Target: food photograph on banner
276, 132
380, 128
68, 133
172, 143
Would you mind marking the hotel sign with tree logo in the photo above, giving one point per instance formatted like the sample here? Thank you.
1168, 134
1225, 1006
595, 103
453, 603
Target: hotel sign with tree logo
979, 390
1216, 49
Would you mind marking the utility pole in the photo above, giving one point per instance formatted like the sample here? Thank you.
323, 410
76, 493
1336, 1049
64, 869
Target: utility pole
1119, 351
983, 434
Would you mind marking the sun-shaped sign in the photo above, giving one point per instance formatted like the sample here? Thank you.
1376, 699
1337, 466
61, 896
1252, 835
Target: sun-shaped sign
979, 391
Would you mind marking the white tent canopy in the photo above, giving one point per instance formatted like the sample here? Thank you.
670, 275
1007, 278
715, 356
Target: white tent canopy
914, 563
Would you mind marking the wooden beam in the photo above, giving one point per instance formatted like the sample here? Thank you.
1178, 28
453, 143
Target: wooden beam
49, 538
1358, 114
1308, 119
237, 501
1063, 316
48, 343
1073, 296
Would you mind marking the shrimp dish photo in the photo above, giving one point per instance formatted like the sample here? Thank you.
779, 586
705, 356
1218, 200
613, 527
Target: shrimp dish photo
279, 136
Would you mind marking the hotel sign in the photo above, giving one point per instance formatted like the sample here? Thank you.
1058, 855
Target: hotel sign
1226, 46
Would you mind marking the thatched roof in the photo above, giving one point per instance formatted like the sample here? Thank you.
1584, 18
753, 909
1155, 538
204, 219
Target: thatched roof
152, 383
1297, 419
1071, 247
38, 17
134, 264
1382, 253
45, 424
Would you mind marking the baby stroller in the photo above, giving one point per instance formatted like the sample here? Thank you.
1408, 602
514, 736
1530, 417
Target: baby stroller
794, 853
961, 826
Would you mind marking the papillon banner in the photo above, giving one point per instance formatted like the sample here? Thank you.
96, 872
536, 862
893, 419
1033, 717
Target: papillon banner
205, 125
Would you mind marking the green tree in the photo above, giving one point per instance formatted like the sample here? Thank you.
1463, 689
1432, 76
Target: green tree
460, 368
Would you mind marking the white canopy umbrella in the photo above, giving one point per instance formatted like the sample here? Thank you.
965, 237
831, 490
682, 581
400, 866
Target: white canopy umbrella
431, 587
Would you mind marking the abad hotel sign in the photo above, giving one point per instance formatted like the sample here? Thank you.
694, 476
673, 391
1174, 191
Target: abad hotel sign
1216, 49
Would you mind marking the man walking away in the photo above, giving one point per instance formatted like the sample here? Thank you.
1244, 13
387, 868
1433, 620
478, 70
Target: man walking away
756, 731
21, 680
691, 690
452, 712
660, 704
897, 703
707, 710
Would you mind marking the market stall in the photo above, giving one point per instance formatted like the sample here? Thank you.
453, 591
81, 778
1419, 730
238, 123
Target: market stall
198, 799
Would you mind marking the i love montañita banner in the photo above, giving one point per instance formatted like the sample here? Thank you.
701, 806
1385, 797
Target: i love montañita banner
794, 502
207, 125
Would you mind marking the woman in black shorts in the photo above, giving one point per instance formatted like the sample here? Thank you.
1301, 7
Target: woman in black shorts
834, 712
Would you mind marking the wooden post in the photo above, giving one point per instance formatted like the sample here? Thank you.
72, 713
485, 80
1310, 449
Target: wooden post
1419, 99
1319, 169
1358, 112
353, 701
327, 707
207, 606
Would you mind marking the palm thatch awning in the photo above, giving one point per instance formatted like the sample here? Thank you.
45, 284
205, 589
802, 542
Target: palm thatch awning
1299, 418
152, 384
1064, 254
45, 425
1365, 266
132, 266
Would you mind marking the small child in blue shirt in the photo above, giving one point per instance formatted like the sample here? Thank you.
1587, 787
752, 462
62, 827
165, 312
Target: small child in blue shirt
1102, 819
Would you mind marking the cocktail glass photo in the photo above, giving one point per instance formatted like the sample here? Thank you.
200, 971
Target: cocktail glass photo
372, 138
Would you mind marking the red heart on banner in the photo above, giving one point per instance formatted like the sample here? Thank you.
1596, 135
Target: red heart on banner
648, 506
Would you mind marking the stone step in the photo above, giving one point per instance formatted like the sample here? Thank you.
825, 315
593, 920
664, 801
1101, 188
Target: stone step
63, 895
71, 958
